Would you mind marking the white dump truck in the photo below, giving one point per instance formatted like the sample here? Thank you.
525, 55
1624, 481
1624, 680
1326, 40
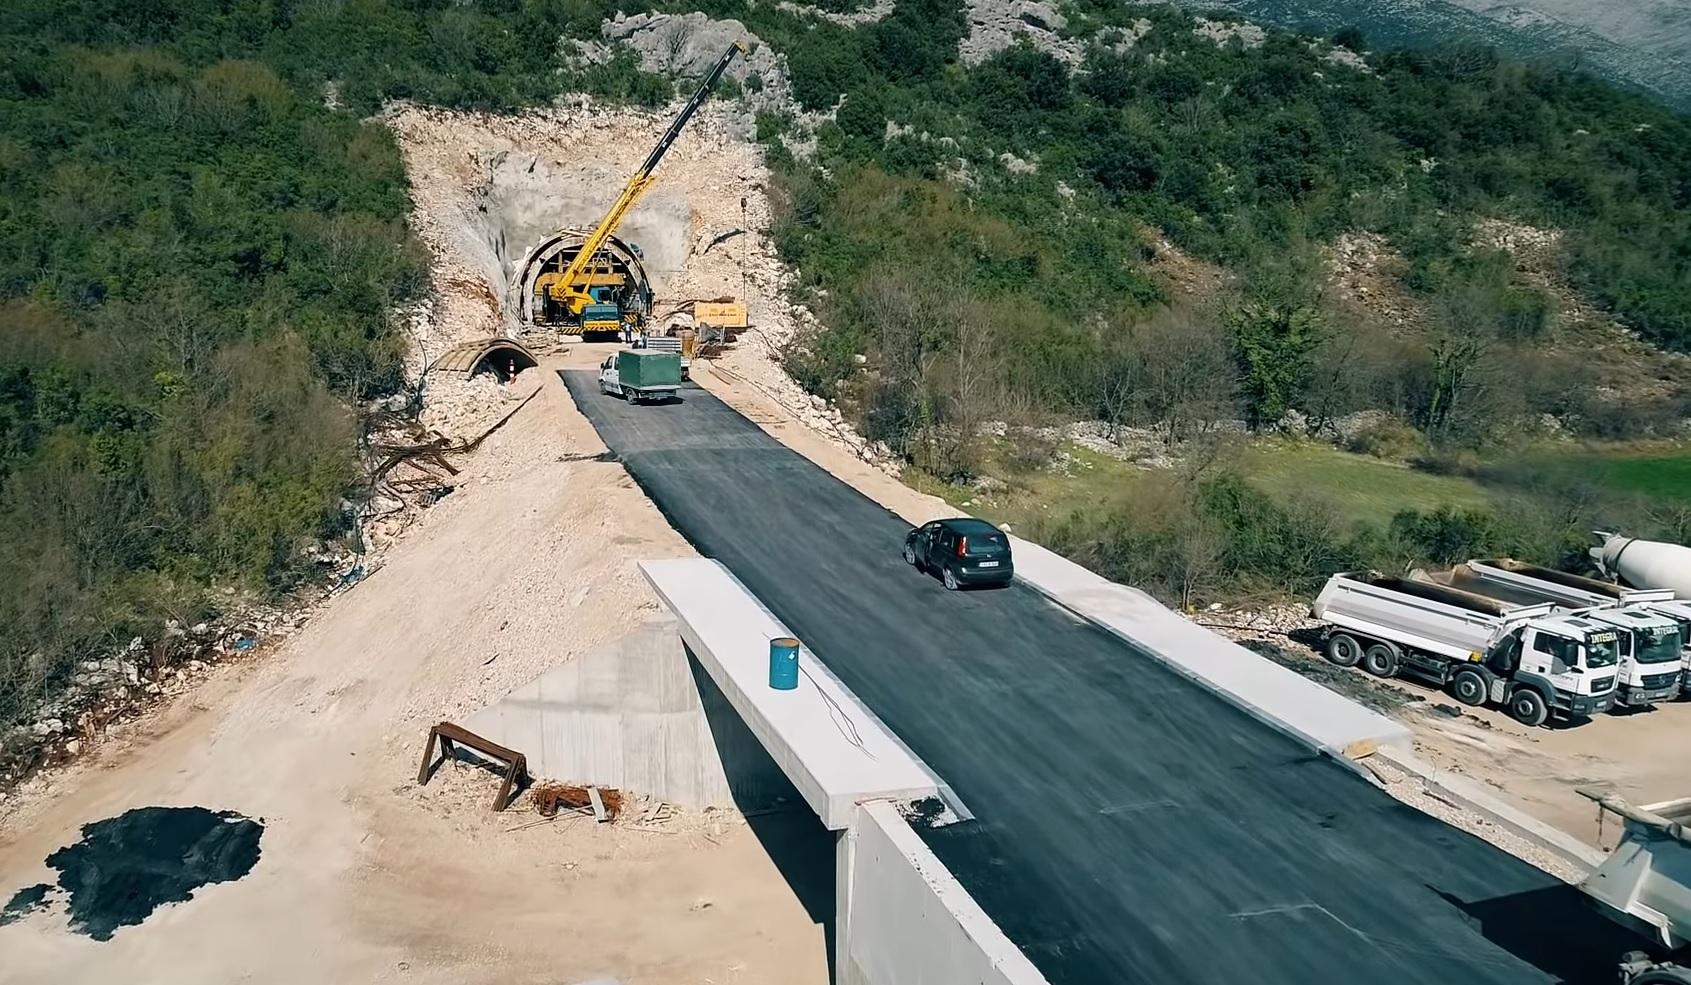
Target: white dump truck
1679, 610
1528, 658
1651, 665
1645, 884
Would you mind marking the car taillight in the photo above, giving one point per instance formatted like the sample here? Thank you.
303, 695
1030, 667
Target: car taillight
962, 546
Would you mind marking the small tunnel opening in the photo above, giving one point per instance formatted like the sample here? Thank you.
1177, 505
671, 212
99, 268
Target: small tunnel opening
504, 362
501, 358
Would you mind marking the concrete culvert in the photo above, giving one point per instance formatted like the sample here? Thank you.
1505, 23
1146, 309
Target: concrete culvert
502, 357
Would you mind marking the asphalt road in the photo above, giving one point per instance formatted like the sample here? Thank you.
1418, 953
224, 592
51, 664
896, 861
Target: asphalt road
1129, 825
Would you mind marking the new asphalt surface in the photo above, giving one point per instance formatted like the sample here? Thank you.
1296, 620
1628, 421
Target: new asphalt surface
1129, 825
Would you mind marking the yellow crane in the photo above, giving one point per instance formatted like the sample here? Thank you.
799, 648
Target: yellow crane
574, 288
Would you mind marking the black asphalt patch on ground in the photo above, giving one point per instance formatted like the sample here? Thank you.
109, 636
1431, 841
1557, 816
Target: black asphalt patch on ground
126, 867
24, 902
1130, 825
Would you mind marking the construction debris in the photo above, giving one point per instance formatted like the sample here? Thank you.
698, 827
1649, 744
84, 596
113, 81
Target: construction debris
604, 803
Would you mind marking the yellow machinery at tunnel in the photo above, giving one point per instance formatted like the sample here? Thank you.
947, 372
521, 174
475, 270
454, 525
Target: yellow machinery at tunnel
590, 293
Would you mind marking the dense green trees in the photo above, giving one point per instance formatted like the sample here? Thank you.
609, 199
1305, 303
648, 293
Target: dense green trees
199, 266
1248, 157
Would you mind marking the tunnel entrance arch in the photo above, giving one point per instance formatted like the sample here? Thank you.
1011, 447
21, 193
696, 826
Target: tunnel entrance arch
620, 278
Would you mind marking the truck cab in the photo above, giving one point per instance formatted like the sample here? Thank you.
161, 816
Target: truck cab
1679, 611
604, 314
1570, 661
1651, 655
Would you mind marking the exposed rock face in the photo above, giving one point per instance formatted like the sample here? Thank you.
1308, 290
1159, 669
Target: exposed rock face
995, 25
868, 15
686, 46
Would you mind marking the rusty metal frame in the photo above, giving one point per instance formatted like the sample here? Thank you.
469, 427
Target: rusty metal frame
516, 770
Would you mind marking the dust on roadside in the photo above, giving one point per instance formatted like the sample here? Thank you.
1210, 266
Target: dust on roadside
1640, 755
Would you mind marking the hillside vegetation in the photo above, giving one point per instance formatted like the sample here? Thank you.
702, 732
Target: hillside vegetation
989, 238
203, 259
1250, 157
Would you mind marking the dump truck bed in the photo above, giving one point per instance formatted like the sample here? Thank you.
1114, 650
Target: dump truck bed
1421, 614
1646, 881
1570, 590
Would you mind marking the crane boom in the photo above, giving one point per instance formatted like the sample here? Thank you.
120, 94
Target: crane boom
567, 288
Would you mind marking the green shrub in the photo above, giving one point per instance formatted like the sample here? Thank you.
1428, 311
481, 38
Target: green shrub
1448, 535
1389, 438
621, 80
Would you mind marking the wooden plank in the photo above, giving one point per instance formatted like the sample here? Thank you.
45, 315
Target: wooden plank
599, 813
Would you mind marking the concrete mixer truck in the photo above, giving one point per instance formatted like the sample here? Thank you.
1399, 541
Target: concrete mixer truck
1644, 563
1653, 564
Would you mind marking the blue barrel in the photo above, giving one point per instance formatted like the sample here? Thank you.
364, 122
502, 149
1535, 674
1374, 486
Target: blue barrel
783, 663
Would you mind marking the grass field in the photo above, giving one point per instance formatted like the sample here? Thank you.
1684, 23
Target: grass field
1663, 477
1658, 472
1359, 488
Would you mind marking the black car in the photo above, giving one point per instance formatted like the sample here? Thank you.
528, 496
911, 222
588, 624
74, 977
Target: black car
962, 551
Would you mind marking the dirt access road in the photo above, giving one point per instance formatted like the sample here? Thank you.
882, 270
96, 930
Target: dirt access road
1642, 755
363, 876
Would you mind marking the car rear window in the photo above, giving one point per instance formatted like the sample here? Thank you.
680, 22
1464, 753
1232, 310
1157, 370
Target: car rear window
986, 543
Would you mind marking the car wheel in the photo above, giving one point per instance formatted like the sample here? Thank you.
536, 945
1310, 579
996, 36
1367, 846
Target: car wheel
1380, 660
1527, 707
1343, 649
910, 555
1468, 687
951, 584
1665, 975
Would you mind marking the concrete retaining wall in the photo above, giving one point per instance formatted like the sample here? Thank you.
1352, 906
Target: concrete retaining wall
637, 714
903, 918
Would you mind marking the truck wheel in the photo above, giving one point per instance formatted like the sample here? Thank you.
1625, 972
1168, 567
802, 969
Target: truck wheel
1469, 687
1343, 649
1527, 707
1380, 660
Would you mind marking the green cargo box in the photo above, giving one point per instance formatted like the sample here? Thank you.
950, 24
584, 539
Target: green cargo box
643, 369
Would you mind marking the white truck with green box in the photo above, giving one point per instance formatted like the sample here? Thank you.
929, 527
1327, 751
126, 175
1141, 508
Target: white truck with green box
641, 375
